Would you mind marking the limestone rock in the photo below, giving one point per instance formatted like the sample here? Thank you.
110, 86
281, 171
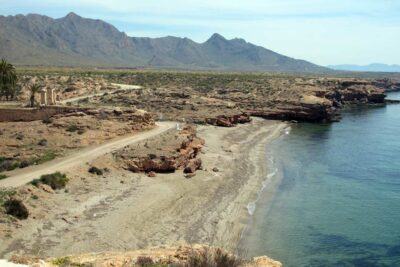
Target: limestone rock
46, 188
228, 121
174, 154
151, 174
192, 166
264, 262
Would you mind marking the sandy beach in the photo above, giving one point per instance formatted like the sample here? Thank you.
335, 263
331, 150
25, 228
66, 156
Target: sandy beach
122, 211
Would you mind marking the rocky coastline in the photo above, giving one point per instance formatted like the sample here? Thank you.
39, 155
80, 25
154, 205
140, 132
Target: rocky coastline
324, 104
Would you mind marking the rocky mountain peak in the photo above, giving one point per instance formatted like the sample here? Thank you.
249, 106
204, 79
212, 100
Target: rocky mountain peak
216, 37
72, 15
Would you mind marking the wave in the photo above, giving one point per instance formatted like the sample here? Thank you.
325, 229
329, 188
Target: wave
251, 206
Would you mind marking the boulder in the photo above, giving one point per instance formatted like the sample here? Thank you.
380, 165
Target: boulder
229, 121
192, 166
151, 174
264, 262
46, 188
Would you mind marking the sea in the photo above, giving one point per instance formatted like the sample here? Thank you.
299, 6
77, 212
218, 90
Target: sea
336, 201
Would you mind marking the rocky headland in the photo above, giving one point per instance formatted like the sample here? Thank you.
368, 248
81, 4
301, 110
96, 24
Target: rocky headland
229, 99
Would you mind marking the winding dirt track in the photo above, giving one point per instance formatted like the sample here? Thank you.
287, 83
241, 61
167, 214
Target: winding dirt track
22, 176
122, 87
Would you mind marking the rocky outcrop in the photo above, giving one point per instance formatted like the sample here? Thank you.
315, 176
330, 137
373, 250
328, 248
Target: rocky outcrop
389, 85
192, 166
179, 152
135, 117
324, 104
229, 121
304, 112
309, 108
129, 115
348, 92
153, 163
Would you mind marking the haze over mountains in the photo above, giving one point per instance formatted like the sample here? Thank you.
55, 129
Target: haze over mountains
375, 67
75, 41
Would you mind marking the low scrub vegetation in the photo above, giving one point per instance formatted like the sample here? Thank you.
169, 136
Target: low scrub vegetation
66, 262
16, 208
3, 176
144, 261
213, 257
5, 194
72, 128
47, 120
55, 180
11, 205
49, 155
95, 170
7, 164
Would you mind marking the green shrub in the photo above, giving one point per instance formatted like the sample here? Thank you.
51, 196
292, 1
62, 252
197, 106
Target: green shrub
6, 194
143, 261
42, 142
55, 180
95, 170
212, 258
8, 164
24, 164
47, 120
66, 262
12, 164
72, 128
3, 176
49, 155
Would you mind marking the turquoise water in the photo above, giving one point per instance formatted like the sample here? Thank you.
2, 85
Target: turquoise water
338, 203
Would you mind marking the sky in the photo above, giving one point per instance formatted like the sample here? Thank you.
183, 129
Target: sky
325, 32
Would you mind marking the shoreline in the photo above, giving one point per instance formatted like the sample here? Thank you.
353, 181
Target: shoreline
253, 155
125, 211
264, 198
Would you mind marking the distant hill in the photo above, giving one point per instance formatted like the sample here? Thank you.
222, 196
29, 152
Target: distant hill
75, 41
376, 67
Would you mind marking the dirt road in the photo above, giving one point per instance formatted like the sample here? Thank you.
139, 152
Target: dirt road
22, 176
122, 87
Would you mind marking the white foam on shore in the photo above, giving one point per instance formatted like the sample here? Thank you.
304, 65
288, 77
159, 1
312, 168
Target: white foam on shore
251, 206
287, 130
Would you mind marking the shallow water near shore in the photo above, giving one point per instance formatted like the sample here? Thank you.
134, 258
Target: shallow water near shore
338, 201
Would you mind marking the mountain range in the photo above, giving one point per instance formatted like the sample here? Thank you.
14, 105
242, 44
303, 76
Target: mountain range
375, 67
76, 41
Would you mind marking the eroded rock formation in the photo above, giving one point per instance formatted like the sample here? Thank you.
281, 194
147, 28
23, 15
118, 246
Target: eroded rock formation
322, 101
228, 121
174, 151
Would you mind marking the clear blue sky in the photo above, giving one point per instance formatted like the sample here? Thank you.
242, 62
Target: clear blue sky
322, 31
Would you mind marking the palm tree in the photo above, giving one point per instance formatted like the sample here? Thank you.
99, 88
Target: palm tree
34, 88
8, 80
